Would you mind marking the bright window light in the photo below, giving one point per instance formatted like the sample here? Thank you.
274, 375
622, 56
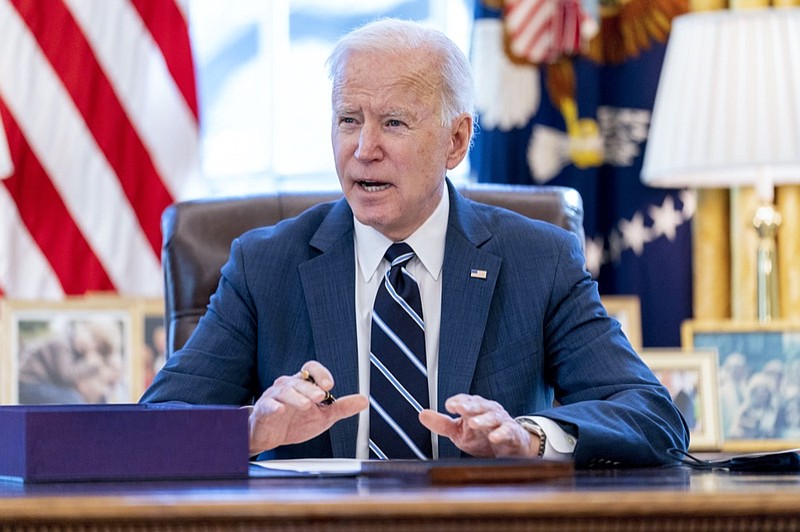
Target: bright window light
264, 93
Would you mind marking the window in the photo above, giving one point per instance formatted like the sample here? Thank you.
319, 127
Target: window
264, 92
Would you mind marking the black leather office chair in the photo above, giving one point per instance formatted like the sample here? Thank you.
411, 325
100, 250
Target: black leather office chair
198, 236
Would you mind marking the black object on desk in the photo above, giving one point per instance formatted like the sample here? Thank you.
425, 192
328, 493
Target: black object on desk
772, 462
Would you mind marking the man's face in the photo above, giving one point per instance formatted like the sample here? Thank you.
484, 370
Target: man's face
389, 145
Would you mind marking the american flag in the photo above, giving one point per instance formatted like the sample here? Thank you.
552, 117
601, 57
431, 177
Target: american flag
99, 134
542, 31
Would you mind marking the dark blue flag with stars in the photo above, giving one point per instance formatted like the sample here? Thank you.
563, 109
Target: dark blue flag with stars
552, 112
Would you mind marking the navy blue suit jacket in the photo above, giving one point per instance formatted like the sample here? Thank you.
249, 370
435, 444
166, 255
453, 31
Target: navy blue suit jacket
532, 331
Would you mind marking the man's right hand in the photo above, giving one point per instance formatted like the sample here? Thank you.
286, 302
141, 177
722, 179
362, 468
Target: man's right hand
290, 411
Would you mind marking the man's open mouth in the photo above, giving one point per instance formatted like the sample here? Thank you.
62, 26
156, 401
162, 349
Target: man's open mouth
373, 186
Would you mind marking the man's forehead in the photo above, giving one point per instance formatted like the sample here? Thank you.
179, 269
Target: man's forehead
392, 96
413, 70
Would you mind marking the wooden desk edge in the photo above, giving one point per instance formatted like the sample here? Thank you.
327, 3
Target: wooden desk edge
538, 505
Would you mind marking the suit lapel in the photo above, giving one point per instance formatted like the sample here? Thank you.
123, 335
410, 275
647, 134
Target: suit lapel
466, 298
329, 284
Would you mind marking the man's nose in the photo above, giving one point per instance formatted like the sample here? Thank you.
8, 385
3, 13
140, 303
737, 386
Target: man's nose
369, 143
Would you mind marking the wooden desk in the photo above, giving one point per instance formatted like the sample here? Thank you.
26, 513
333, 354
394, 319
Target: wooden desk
671, 499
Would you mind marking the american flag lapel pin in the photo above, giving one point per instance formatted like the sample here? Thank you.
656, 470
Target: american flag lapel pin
477, 274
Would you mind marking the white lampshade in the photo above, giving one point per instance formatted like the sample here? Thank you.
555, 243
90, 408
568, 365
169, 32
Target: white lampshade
727, 109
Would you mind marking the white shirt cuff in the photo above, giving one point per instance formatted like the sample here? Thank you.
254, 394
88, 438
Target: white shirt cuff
559, 445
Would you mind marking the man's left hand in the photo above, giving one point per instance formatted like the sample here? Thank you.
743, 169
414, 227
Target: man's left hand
482, 428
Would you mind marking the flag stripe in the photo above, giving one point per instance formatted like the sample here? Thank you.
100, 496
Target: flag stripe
530, 25
56, 234
23, 268
57, 134
96, 101
138, 72
541, 30
163, 19
521, 17
6, 166
538, 46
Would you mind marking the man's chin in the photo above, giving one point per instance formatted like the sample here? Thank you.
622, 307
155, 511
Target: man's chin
370, 204
381, 220
370, 217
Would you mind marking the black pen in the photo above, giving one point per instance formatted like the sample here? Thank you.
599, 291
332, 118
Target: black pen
329, 398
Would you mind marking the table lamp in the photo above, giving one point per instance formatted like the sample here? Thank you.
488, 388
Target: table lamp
727, 114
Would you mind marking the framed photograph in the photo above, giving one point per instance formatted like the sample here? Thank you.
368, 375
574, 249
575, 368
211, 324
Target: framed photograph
627, 310
758, 380
79, 350
691, 378
150, 340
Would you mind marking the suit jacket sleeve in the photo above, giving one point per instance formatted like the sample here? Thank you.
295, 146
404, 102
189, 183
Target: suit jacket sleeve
609, 398
217, 364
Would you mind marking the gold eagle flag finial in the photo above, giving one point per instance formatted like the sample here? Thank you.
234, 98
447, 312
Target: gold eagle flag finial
628, 27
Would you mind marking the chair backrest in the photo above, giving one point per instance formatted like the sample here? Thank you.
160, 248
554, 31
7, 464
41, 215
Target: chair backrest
198, 236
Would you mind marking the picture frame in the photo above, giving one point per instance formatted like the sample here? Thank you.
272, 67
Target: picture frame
758, 380
628, 311
691, 378
77, 350
150, 339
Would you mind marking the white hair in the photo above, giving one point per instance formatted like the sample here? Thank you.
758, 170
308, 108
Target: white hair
392, 35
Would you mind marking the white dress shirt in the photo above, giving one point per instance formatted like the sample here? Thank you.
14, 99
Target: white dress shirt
428, 244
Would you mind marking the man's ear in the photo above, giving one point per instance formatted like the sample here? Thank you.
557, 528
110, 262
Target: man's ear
460, 138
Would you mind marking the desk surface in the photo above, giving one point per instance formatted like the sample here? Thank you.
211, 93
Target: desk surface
674, 498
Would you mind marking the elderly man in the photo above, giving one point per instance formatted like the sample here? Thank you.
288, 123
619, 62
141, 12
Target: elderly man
451, 326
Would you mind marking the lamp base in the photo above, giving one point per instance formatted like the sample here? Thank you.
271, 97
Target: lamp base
766, 221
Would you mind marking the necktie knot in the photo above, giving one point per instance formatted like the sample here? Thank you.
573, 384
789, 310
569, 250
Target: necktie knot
399, 253
399, 281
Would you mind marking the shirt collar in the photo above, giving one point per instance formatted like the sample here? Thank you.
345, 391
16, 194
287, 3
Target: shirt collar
427, 242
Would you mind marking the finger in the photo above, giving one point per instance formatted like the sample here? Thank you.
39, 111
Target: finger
279, 389
459, 404
304, 383
314, 392
319, 373
266, 405
300, 395
505, 435
469, 405
439, 423
484, 422
347, 406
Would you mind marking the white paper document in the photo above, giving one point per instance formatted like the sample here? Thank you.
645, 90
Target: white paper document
307, 467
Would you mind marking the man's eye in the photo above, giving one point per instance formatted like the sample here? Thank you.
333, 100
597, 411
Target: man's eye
394, 123
346, 120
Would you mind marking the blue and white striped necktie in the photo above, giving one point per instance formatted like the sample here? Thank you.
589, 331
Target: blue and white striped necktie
398, 371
